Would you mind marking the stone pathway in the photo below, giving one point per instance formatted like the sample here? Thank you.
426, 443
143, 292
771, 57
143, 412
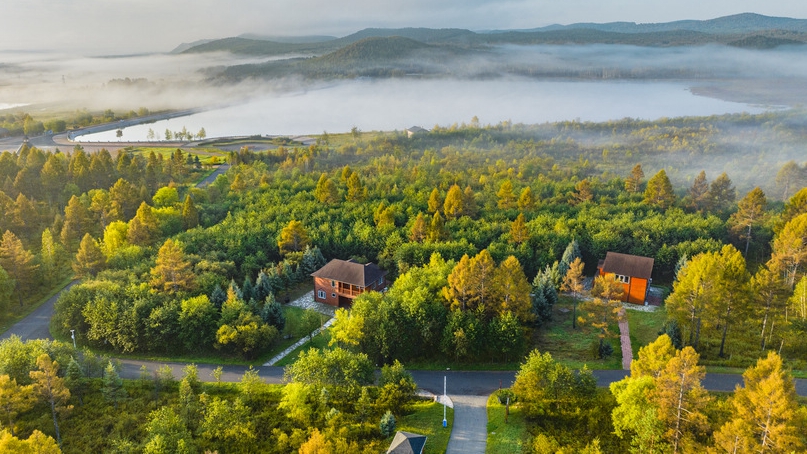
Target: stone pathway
306, 302
470, 431
624, 337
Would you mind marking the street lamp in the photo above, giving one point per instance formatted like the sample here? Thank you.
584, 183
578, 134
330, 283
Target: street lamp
73, 335
445, 401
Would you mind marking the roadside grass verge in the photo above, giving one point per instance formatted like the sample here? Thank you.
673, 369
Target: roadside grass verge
572, 347
29, 304
426, 419
510, 437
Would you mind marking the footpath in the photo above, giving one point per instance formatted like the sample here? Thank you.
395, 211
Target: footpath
306, 302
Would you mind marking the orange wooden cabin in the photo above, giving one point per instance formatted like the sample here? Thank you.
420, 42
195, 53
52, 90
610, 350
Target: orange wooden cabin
340, 281
632, 271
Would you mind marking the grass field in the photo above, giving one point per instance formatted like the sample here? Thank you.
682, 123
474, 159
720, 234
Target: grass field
510, 437
572, 346
319, 342
644, 327
427, 419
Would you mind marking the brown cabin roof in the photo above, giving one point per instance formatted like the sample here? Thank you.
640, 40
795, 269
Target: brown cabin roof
628, 265
350, 272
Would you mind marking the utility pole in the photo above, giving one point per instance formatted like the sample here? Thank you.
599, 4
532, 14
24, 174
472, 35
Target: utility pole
445, 422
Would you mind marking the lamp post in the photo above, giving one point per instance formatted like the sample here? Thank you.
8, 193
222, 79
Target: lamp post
73, 335
445, 401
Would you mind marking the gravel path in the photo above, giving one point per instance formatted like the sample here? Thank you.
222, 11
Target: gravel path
624, 338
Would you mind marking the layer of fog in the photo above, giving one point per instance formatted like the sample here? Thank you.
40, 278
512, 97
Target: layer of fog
400, 103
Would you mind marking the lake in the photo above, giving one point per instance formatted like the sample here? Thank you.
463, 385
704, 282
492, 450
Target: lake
396, 104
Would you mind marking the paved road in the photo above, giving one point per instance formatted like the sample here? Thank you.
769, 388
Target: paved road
470, 431
37, 324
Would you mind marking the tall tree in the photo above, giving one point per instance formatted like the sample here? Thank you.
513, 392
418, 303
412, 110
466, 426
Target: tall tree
604, 310
698, 193
722, 193
750, 213
790, 249
681, 399
573, 282
190, 214
634, 182
659, 191
51, 389
770, 298
356, 192
505, 194
582, 192
143, 228
419, 230
526, 200
112, 388
435, 202
293, 238
76, 223
790, 177
458, 291
14, 399
172, 273
437, 230
453, 205
512, 290
18, 262
326, 191
482, 291
518, 230
765, 412
89, 258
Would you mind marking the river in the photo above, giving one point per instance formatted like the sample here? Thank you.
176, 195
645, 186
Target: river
396, 104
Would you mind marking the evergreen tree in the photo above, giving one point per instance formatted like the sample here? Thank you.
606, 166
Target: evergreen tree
750, 213
659, 191
453, 207
18, 262
721, 193
272, 313
293, 238
419, 230
506, 197
518, 230
434, 201
89, 258
387, 424
190, 214
112, 388
571, 252
76, 223
143, 228
633, 183
218, 297
698, 193
172, 272
326, 191
437, 230
526, 201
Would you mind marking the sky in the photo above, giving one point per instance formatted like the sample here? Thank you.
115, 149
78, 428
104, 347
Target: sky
130, 26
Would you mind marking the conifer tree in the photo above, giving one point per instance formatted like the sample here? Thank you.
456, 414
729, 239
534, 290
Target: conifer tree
513, 290
419, 230
326, 191
172, 272
89, 258
112, 388
14, 399
18, 262
518, 230
435, 202
634, 182
659, 191
190, 214
573, 282
506, 197
143, 228
51, 389
437, 230
293, 238
453, 207
526, 201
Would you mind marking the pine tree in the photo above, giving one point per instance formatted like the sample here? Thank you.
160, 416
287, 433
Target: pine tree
326, 191
506, 197
659, 191
526, 201
387, 424
18, 262
437, 230
356, 192
218, 297
453, 207
89, 258
190, 214
790, 249
582, 192
512, 290
469, 202
458, 291
681, 398
721, 193
518, 230
634, 182
571, 252
419, 230
76, 223
750, 213
51, 389
765, 411
112, 388
143, 228
573, 282
293, 238
172, 272
698, 193
435, 202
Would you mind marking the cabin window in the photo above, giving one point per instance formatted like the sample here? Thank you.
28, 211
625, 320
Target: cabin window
381, 281
622, 279
333, 295
333, 283
321, 294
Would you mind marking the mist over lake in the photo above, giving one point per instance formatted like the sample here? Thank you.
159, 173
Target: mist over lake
396, 104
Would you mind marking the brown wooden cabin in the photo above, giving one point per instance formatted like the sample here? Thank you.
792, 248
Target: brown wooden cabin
632, 271
340, 281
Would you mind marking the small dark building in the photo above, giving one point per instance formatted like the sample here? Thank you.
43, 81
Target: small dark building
407, 443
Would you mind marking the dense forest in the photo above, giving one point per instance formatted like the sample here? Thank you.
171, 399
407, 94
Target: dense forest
483, 229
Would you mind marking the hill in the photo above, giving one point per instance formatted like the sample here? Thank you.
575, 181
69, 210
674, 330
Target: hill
722, 30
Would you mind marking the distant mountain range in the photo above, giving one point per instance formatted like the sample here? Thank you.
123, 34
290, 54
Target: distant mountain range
376, 52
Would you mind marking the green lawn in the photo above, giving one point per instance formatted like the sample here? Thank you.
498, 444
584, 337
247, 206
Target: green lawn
572, 346
644, 327
427, 419
319, 342
509, 437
